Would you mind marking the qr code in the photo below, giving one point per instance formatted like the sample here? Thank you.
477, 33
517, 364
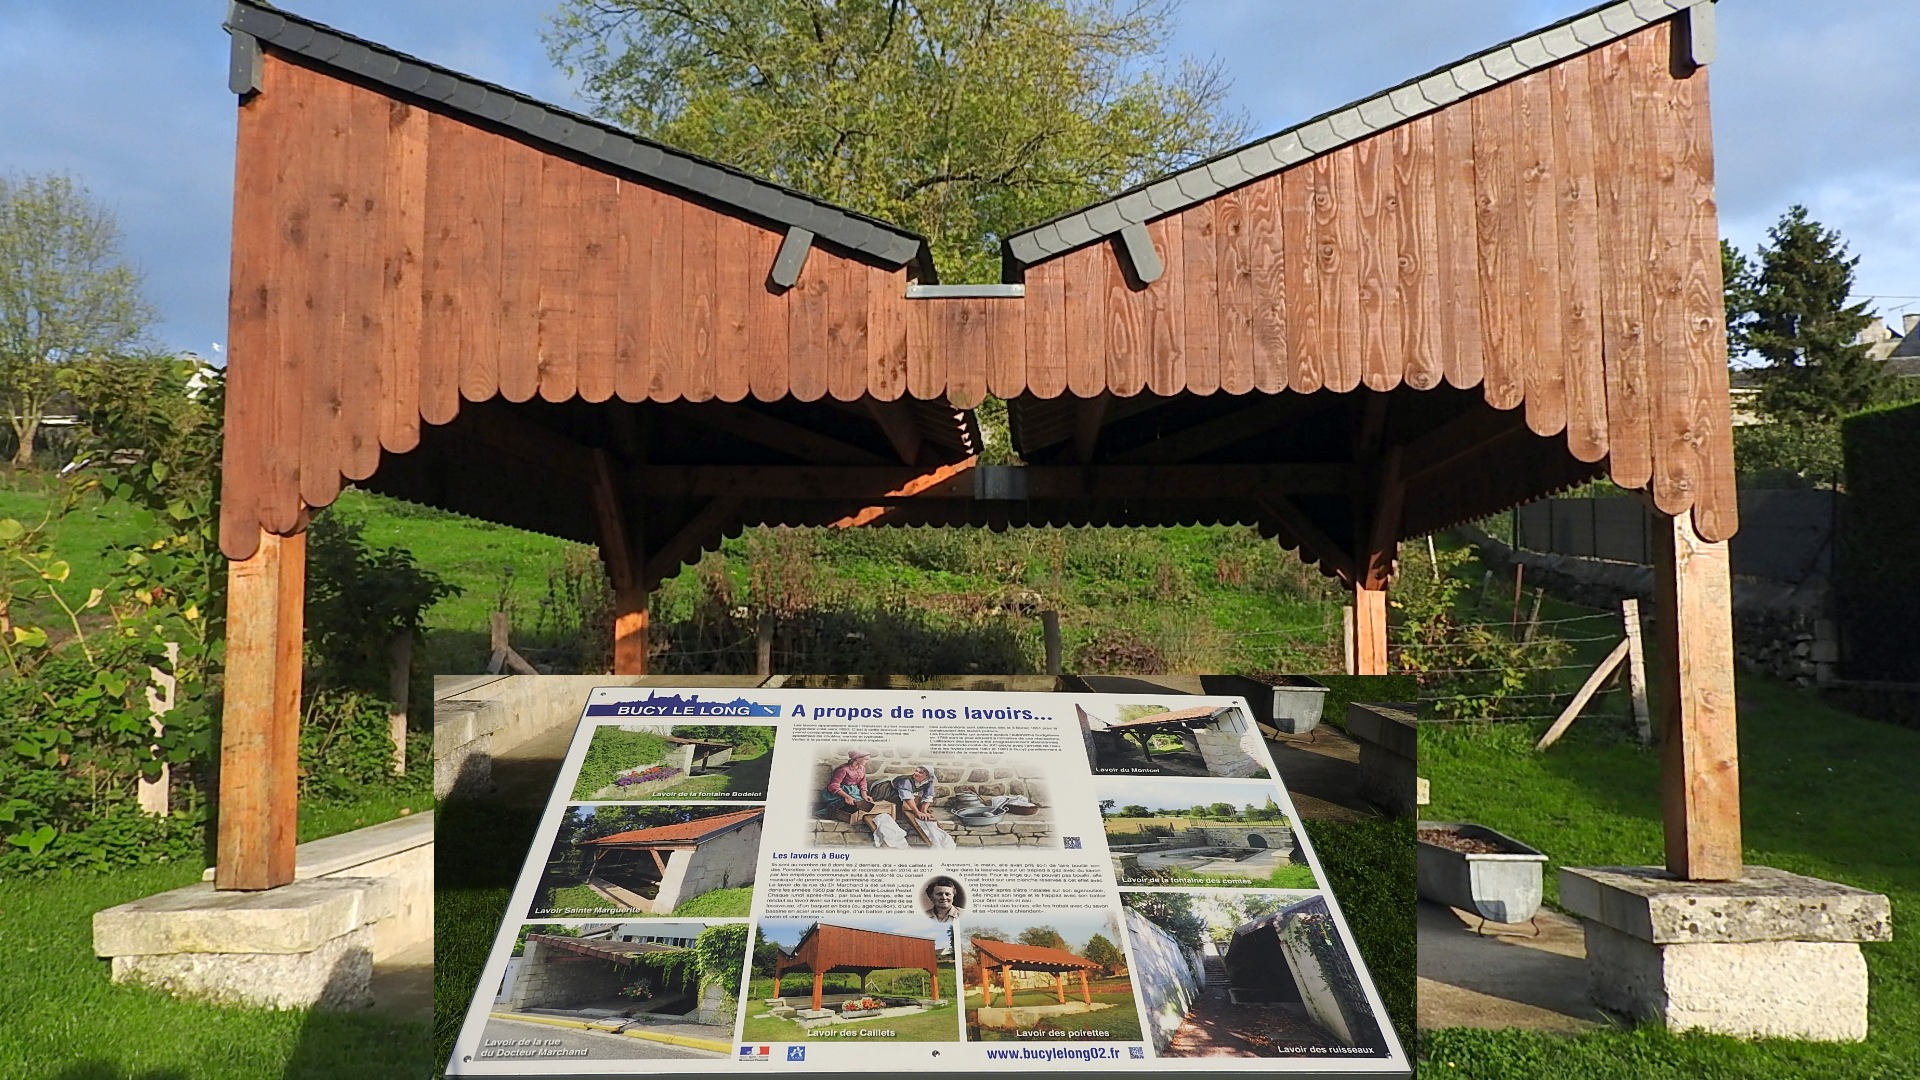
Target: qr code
1072, 842
1136, 1051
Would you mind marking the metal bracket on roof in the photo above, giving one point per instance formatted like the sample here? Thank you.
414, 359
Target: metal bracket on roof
1000, 483
1698, 39
791, 258
243, 64
1140, 251
917, 291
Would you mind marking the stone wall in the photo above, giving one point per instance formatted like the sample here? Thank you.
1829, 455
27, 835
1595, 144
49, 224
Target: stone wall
543, 984
1778, 629
1164, 970
725, 862
1230, 747
1278, 837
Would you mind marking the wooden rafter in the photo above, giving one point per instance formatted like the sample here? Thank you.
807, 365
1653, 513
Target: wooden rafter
895, 420
1313, 540
1088, 416
712, 522
1221, 431
775, 434
957, 481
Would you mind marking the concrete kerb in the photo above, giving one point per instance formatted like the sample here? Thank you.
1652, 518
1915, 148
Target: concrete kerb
688, 1041
1771, 955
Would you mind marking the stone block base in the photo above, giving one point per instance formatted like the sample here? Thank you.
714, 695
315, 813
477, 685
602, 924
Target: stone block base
1770, 955
336, 975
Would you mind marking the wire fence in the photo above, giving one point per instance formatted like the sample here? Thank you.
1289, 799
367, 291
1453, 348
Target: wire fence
1511, 671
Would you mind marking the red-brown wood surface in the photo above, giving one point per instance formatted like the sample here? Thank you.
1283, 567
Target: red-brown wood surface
1550, 241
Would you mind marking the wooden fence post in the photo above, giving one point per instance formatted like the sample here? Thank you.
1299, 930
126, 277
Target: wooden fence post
153, 793
763, 645
1533, 617
1346, 619
1636, 670
1050, 638
399, 682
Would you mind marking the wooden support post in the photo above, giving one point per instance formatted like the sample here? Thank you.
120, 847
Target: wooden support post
1060, 986
1346, 627
1587, 690
153, 793
986, 983
1369, 630
1519, 586
934, 974
1636, 671
819, 981
1699, 759
630, 631
1533, 616
763, 645
1050, 639
260, 718
1006, 984
1086, 994
399, 679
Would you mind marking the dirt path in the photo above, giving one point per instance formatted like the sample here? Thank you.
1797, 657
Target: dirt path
1218, 1027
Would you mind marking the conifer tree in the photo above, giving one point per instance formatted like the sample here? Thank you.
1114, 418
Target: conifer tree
1801, 325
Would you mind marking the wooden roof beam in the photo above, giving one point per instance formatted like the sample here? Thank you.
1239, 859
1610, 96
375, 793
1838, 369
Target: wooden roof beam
774, 434
1312, 539
1089, 414
1012, 482
711, 523
896, 422
1222, 431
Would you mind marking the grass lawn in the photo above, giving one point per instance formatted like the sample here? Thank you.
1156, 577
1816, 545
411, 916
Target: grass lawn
1290, 876
720, 903
1121, 1023
940, 1023
65, 1020
478, 848
1823, 793
563, 898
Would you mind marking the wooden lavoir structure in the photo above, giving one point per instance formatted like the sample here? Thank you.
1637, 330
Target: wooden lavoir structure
1471, 290
1005, 957
825, 948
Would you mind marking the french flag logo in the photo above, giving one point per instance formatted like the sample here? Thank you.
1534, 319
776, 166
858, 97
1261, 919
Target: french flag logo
756, 1053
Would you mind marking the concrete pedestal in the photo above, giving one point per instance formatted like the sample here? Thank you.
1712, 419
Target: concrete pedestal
1389, 752
358, 897
1771, 955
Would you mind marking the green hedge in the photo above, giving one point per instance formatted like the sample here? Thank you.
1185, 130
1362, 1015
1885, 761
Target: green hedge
1879, 573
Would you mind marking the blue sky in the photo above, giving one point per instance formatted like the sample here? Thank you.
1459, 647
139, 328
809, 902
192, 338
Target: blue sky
1813, 103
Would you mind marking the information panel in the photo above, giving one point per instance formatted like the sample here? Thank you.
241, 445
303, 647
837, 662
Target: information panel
921, 883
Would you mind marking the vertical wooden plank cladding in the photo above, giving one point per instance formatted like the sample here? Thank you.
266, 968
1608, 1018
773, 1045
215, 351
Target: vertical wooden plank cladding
1677, 382
1306, 198
450, 309
847, 330
962, 337
1200, 296
1716, 506
562, 242
666, 319
807, 326
1540, 204
1085, 285
886, 368
406, 193
926, 363
597, 231
1166, 307
1421, 313
699, 245
326, 152
1501, 229
258, 303
364, 346
767, 319
1006, 335
733, 339
1377, 206
1573, 156
471, 254
1456, 214
517, 311
1624, 238
1266, 250
1345, 349
1127, 326
632, 359
1233, 261
1046, 328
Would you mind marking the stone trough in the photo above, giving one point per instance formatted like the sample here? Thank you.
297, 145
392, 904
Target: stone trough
1503, 886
